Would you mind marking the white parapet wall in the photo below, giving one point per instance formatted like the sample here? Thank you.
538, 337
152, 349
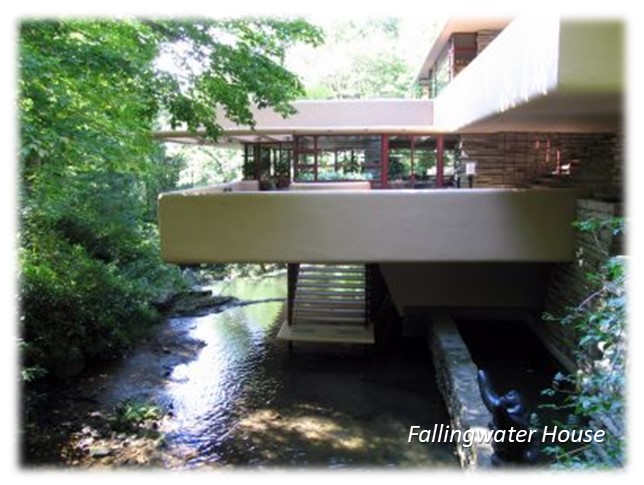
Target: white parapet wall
477, 225
236, 186
358, 185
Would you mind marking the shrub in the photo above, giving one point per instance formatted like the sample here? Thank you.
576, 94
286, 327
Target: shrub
597, 396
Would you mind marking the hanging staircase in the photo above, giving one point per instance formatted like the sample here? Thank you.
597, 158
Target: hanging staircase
328, 304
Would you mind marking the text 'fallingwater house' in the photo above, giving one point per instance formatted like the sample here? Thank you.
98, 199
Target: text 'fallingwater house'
462, 201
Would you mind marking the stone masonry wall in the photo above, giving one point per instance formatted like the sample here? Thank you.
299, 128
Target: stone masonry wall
456, 377
483, 39
588, 160
568, 285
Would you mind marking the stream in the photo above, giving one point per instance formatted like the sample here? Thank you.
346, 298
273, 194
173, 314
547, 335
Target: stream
235, 396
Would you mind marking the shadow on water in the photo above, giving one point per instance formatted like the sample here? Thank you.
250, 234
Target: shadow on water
515, 359
242, 399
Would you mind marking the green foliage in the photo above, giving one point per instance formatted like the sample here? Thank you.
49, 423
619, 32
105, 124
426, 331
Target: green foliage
594, 225
76, 307
370, 58
333, 176
90, 94
595, 395
207, 165
84, 96
252, 270
378, 75
240, 65
131, 413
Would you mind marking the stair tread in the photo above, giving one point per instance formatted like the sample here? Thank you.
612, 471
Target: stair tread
332, 284
309, 269
333, 266
326, 277
326, 302
312, 269
339, 295
330, 311
326, 333
331, 277
360, 320
331, 291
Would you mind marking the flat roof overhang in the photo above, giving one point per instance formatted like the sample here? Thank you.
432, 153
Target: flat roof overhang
328, 117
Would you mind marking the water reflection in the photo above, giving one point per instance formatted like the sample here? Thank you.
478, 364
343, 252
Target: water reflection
204, 392
246, 400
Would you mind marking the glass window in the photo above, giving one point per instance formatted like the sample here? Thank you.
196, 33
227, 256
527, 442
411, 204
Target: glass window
464, 51
424, 158
400, 157
341, 157
248, 170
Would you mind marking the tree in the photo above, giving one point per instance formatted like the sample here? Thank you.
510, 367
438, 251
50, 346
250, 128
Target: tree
90, 94
373, 58
371, 76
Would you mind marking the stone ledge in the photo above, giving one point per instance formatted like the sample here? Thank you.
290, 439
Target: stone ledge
456, 376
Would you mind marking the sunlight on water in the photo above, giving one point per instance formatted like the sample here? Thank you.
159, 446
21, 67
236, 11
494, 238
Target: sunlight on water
234, 341
252, 288
246, 400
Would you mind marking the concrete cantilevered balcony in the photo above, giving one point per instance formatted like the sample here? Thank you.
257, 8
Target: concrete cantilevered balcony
541, 73
235, 224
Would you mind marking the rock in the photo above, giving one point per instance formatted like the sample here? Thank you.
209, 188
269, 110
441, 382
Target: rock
99, 452
85, 444
199, 303
193, 294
